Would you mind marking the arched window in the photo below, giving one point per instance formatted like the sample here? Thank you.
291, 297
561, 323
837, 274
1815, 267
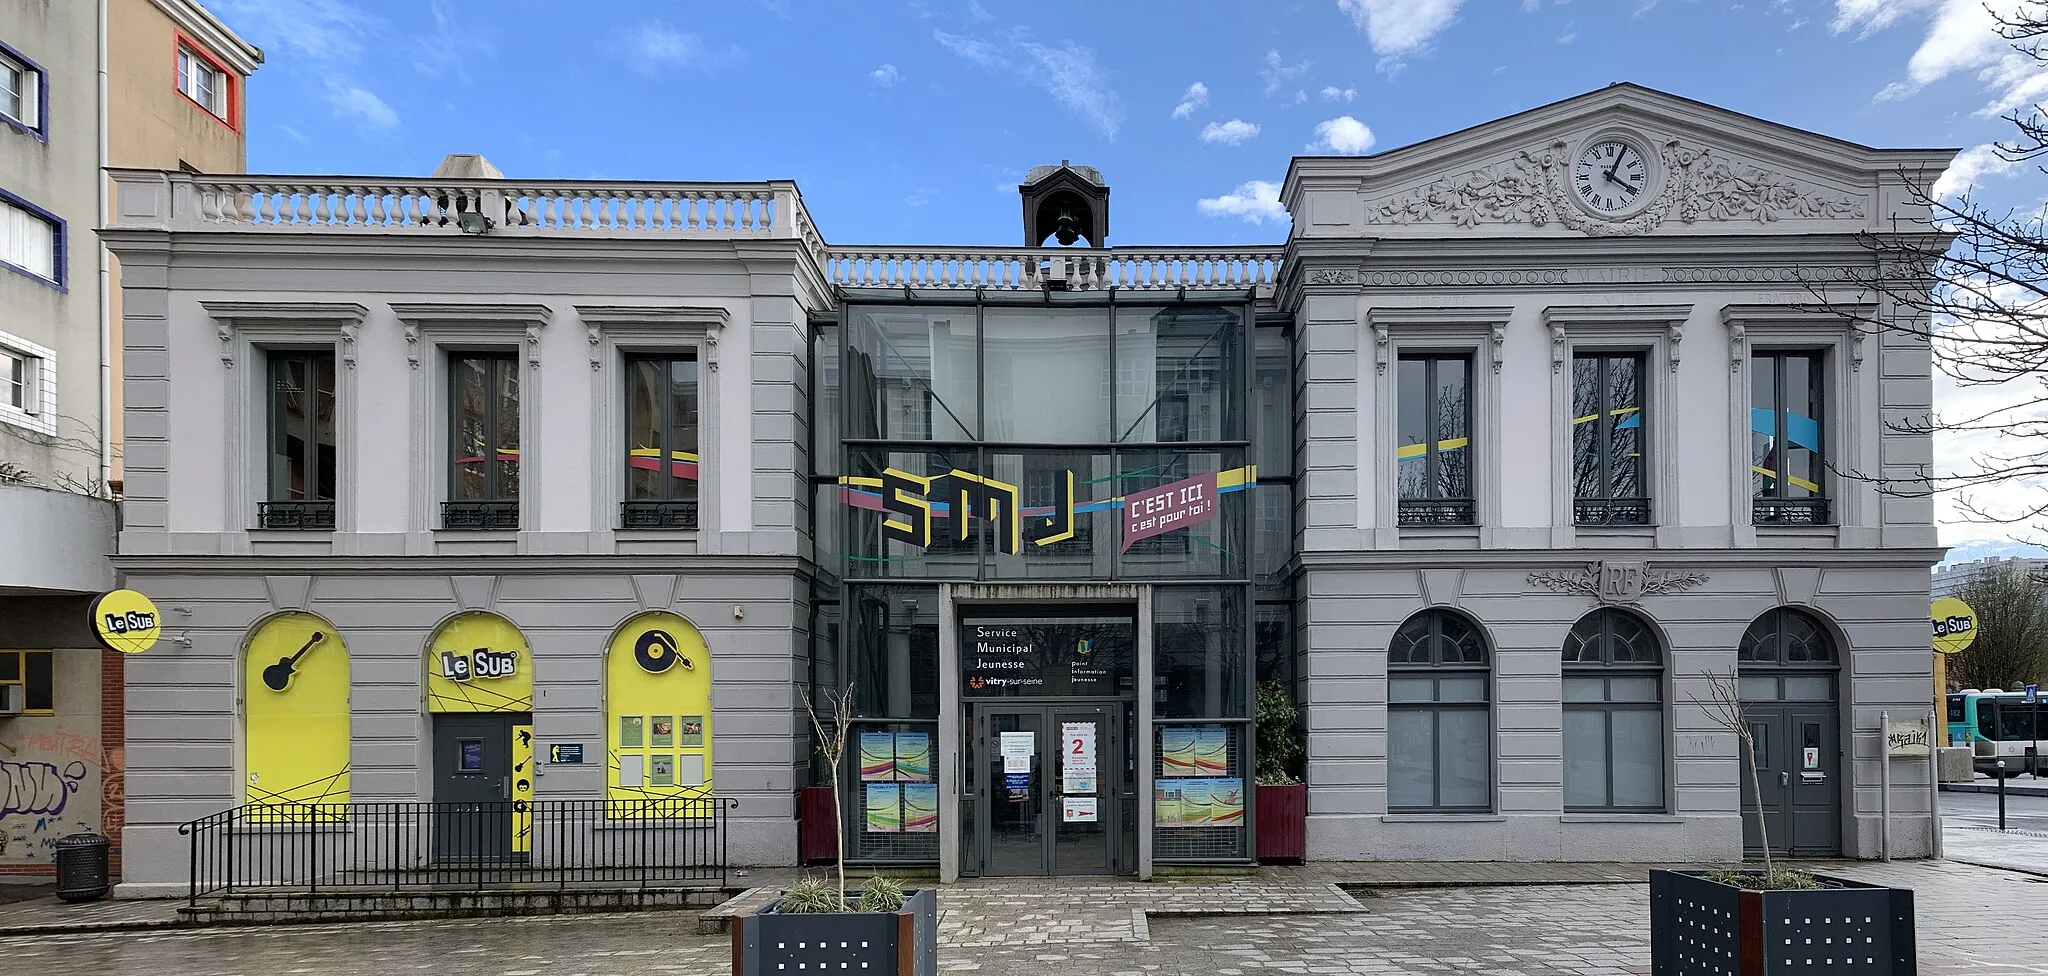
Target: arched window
1613, 714
1439, 730
295, 724
657, 702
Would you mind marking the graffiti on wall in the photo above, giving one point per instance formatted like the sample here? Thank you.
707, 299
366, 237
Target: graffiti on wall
49, 788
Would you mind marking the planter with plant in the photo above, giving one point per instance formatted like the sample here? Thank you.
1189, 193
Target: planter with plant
1762, 922
819, 924
1281, 809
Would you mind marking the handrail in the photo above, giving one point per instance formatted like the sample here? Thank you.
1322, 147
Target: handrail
400, 846
1080, 269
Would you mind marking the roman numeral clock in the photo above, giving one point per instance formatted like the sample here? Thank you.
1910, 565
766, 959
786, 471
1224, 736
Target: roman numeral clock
1611, 176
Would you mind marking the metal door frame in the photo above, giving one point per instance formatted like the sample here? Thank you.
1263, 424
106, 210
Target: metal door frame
1110, 758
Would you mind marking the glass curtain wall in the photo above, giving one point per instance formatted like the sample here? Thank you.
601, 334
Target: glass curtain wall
1040, 438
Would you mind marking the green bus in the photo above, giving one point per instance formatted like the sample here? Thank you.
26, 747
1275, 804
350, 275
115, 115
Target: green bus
1999, 724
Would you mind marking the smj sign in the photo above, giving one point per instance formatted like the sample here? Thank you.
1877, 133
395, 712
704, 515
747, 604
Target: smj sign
921, 509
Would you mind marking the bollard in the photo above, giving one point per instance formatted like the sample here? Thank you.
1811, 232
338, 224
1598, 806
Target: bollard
2001, 795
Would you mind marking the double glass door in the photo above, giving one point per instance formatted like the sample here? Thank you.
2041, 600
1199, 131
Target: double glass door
1051, 787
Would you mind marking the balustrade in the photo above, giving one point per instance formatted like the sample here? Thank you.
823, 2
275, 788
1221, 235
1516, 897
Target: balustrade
1030, 268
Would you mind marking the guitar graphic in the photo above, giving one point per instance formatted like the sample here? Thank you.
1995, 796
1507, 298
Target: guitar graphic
278, 677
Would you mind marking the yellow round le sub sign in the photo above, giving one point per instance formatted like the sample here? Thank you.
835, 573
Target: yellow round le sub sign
126, 621
1955, 625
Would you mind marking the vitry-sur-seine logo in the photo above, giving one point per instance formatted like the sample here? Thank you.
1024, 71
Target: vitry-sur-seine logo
1084, 647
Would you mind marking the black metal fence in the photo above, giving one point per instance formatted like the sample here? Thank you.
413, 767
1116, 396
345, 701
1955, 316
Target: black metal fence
459, 846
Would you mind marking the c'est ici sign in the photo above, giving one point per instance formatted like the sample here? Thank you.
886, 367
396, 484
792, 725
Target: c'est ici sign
919, 508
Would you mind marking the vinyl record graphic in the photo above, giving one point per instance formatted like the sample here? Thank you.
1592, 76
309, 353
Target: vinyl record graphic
656, 651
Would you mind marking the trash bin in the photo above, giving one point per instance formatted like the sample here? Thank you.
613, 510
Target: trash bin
82, 867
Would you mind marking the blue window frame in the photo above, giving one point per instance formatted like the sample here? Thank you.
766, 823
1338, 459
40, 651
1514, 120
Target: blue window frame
19, 240
24, 94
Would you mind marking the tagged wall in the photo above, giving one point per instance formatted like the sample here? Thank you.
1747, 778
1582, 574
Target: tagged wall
51, 768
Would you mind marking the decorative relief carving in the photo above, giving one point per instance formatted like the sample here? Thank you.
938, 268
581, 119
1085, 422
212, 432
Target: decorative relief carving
533, 345
596, 336
1676, 333
1466, 277
412, 344
1333, 276
1738, 346
1856, 336
226, 335
349, 331
1382, 347
1616, 581
1531, 187
1498, 340
1558, 348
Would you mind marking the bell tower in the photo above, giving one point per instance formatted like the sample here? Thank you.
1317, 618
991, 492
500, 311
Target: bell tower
1067, 203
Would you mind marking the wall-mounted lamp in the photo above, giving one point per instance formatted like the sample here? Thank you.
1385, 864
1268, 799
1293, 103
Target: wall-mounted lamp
181, 640
472, 222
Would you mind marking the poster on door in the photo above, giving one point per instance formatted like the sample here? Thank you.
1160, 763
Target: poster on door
1077, 754
1078, 809
1016, 749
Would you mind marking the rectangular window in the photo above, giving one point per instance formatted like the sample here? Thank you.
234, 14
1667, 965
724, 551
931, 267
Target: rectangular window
21, 91
1609, 486
1787, 467
20, 377
483, 442
203, 82
303, 455
34, 673
663, 466
31, 240
1433, 462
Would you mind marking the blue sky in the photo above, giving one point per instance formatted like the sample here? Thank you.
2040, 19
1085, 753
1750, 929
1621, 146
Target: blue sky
911, 121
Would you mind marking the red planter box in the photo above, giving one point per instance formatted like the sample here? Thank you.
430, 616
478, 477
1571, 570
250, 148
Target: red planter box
817, 842
1282, 816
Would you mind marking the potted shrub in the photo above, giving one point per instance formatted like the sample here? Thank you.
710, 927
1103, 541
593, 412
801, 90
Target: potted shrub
819, 924
1280, 810
1748, 922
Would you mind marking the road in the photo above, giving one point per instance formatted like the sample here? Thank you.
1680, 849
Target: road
1981, 809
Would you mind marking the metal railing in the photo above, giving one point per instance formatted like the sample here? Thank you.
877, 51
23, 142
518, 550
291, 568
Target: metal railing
459, 847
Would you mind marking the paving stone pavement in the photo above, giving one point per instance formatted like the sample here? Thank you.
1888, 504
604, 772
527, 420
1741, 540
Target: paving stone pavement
1046, 928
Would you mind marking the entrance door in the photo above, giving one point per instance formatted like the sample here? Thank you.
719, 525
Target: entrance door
1049, 797
473, 785
1798, 759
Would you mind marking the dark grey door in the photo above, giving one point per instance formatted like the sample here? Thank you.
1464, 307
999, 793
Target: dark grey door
473, 786
1051, 791
1798, 759
1085, 777
1013, 791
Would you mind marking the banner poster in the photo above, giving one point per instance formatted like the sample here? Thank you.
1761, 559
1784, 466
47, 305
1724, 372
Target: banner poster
1166, 802
920, 808
1212, 751
913, 757
1177, 751
877, 756
1226, 802
1196, 803
884, 809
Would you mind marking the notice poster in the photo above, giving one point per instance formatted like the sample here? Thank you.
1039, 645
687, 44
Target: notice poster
884, 811
1017, 748
1197, 805
920, 808
662, 771
1077, 750
1226, 802
1078, 809
1212, 751
690, 731
632, 730
1077, 784
877, 756
632, 771
1177, 751
690, 769
913, 757
1166, 802
664, 734
1018, 785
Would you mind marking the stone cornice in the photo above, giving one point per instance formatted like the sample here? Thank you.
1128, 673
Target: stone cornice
704, 322
218, 38
231, 319
1559, 560
479, 313
271, 565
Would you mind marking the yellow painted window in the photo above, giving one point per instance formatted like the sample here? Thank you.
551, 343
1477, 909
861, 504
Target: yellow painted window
658, 720
295, 717
34, 674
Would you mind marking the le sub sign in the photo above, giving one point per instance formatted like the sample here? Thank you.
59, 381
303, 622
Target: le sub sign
1954, 625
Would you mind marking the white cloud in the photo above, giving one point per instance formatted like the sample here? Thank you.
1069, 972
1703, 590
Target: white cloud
1195, 97
921, 196
979, 12
885, 76
1961, 36
655, 46
1969, 166
1278, 72
1067, 71
1532, 4
1342, 134
1231, 133
1333, 93
361, 104
1300, 96
1399, 28
1254, 202
1568, 36
2014, 400
446, 49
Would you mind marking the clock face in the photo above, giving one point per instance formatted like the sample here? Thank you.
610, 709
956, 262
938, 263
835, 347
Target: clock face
1610, 176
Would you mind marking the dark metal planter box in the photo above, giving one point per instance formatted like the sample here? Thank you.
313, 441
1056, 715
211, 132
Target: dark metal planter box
901, 943
1281, 815
1701, 927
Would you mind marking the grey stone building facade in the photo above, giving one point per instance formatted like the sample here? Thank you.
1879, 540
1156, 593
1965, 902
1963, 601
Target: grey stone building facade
1493, 472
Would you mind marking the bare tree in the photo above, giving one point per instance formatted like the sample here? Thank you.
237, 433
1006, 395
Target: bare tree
1974, 283
1724, 708
833, 731
2011, 647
